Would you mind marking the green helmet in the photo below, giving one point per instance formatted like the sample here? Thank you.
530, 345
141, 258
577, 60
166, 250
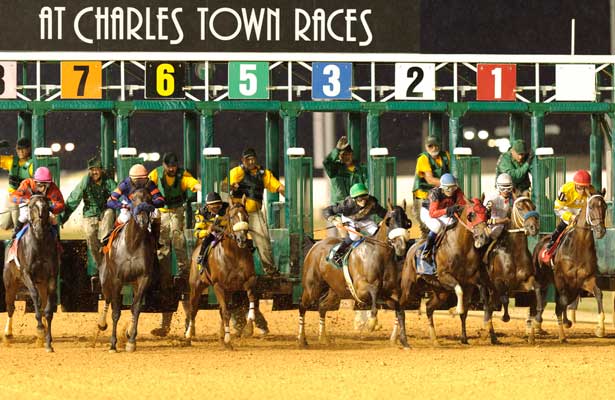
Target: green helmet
358, 189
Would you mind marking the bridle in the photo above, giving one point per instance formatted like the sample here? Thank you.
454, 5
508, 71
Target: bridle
588, 210
519, 219
239, 226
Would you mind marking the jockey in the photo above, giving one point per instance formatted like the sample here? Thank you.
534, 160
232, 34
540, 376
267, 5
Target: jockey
499, 205
443, 203
121, 197
571, 198
355, 211
209, 222
42, 184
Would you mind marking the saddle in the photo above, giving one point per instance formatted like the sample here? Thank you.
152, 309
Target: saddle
546, 256
204, 265
426, 268
116, 230
12, 252
331, 259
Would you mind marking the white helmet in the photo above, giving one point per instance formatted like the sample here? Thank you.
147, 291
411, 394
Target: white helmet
504, 183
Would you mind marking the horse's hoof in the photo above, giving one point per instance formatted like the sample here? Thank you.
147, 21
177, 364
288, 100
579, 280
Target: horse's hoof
8, 337
539, 318
494, 340
228, 346
464, 341
564, 340
112, 351
131, 347
160, 332
302, 342
49, 349
567, 324
102, 327
505, 318
600, 332
531, 340
248, 330
371, 324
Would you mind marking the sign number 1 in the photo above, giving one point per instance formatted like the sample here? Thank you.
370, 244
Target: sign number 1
497, 86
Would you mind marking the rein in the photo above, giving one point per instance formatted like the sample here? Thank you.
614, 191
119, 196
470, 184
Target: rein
368, 239
518, 219
587, 210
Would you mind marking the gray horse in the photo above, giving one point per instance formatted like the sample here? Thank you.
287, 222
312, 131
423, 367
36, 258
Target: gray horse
130, 260
36, 266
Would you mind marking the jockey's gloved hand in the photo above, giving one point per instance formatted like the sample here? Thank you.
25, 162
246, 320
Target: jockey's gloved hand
452, 210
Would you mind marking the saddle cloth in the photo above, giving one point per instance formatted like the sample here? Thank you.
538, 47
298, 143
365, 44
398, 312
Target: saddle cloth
547, 255
107, 248
331, 258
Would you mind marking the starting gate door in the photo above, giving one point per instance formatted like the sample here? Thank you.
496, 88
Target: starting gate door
468, 172
550, 176
383, 175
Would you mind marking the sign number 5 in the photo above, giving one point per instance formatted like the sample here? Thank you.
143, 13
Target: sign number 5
248, 80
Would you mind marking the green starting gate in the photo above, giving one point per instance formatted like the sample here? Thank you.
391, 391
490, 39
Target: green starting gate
43, 157
550, 176
467, 169
126, 158
383, 175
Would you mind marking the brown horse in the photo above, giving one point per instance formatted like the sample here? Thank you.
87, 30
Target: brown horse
231, 269
130, 260
372, 267
36, 266
575, 265
457, 259
509, 265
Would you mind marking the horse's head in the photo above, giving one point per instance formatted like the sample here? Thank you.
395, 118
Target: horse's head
524, 215
595, 213
238, 224
477, 221
38, 208
142, 207
398, 224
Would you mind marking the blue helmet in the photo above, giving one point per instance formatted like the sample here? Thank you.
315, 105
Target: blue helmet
448, 180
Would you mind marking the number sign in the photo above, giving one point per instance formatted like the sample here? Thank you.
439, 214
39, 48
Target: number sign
496, 82
81, 79
164, 80
415, 81
575, 82
331, 81
8, 80
248, 80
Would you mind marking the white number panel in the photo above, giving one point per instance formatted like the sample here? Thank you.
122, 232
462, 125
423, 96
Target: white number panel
8, 80
415, 81
575, 82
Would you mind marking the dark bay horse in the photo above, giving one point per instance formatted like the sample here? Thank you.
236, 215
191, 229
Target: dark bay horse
372, 267
230, 269
458, 261
509, 264
130, 260
36, 266
575, 265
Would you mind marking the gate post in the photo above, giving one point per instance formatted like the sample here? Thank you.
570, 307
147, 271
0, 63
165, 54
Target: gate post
206, 130
122, 128
24, 125
516, 127
537, 140
373, 135
38, 128
272, 161
190, 142
454, 137
596, 143
106, 142
354, 134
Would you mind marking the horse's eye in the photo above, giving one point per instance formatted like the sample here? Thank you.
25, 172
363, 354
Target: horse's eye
471, 216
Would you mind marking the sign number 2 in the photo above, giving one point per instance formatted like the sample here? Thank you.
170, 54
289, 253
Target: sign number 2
415, 81
416, 75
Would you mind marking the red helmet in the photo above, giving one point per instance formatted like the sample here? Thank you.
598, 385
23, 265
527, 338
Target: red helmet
582, 178
43, 175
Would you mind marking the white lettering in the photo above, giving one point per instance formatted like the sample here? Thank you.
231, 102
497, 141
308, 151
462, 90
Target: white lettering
117, 23
330, 22
271, 14
162, 15
319, 25
59, 11
237, 21
251, 23
299, 29
178, 27
350, 18
76, 25
44, 17
202, 11
148, 32
131, 30
368, 31
101, 16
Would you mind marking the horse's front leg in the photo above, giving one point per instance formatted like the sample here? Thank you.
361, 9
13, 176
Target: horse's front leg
225, 314
448, 280
434, 300
487, 314
142, 284
116, 309
400, 324
49, 310
36, 299
10, 288
196, 289
249, 286
464, 315
560, 309
592, 287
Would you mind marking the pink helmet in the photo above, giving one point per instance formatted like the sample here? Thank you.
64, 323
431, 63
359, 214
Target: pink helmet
43, 175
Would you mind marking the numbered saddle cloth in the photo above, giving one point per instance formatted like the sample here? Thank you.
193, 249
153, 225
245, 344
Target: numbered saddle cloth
331, 255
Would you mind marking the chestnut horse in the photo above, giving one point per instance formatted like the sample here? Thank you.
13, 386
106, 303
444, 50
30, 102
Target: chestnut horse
230, 269
458, 261
36, 266
575, 265
372, 267
130, 260
509, 265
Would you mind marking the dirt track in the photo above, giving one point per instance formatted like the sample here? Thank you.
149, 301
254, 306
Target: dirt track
273, 367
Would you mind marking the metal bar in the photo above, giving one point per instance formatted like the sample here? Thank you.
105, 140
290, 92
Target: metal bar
455, 83
290, 81
138, 64
272, 161
537, 140
596, 143
38, 80
206, 80
107, 120
470, 66
373, 81
537, 82
122, 82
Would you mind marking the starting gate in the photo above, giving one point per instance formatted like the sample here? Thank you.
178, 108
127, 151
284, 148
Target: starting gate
467, 169
550, 176
382, 175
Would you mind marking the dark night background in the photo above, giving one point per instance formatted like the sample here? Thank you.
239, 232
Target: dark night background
479, 26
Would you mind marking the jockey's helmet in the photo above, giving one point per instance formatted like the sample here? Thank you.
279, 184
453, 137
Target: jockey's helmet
43, 175
504, 183
137, 171
358, 190
213, 198
582, 178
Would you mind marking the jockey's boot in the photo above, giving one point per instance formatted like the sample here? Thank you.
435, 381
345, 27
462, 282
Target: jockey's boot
558, 231
18, 226
338, 257
204, 246
429, 245
105, 240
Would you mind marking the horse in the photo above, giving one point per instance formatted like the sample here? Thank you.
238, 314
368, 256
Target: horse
458, 261
575, 265
509, 266
129, 260
36, 266
372, 266
230, 269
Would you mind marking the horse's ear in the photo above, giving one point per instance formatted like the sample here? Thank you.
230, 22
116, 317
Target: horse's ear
389, 205
482, 198
243, 200
603, 192
404, 205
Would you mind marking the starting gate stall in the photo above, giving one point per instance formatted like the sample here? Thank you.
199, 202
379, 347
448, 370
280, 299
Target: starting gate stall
467, 170
382, 175
551, 175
